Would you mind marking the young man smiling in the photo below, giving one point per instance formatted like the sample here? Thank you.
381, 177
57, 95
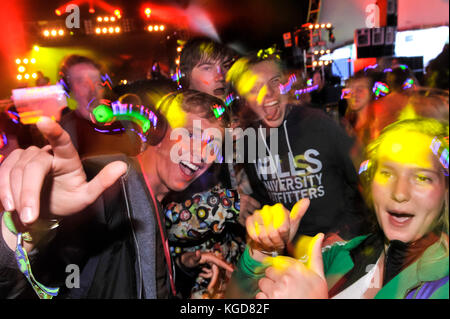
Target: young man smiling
312, 160
111, 225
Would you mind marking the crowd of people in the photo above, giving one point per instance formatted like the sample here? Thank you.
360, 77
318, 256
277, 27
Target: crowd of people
153, 204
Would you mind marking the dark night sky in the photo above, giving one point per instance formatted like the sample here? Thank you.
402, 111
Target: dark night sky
246, 24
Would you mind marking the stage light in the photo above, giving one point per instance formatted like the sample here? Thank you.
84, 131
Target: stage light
326, 62
317, 26
316, 52
36, 48
322, 51
25, 61
112, 19
18, 61
27, 76
61, 32
58, 12
179, 49
161, 27
106, 19
329, 25
99, 19
147, 12
53, 33
320, 63
111, 30
156, 28
21, 69
46, 33
98, 30
19, 77
177, 61
33, 60
150, 28
117, 13
314, 63
117, 29
328, 51
34, 75
91, 10
105, 30
322, 25
311, 26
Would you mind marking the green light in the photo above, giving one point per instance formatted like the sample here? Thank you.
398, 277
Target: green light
103, 113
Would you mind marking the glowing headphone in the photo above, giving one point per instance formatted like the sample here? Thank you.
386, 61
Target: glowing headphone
152, 125
380, 89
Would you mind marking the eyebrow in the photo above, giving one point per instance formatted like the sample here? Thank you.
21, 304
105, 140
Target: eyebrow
276, 76
415, 169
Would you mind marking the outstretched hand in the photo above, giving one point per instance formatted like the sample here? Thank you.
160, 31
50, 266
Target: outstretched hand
51, 179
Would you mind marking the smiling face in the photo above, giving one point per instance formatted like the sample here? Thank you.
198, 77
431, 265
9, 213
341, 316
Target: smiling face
408, 188
264, 98
178, 172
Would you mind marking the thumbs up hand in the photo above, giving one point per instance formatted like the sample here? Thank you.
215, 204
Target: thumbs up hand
289, 278
273, 227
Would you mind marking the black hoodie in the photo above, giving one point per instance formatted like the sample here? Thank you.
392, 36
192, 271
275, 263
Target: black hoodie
312, 161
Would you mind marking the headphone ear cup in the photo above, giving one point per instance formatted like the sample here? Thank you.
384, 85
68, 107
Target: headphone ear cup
63, 81
156, 134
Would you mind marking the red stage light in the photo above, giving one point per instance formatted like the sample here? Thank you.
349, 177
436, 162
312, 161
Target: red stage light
58, 12
91, 10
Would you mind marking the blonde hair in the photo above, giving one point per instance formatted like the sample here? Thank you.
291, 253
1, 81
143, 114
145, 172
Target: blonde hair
427, 126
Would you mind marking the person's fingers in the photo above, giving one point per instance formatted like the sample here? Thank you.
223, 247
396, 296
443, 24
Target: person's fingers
256, 231
214, 278
251, 228
296, 215
316, 256
59, 140
34, 174
206, 272
104, 179
262, 229
274, 273
276, 239
261, 295
16, 176
6, 196
212, 259
266, 286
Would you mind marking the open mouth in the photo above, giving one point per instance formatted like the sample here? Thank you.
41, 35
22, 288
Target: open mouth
399, 218
188, 168
272, 110
219, 91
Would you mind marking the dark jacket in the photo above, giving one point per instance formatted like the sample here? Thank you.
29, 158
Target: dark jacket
105, 242
312, 161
